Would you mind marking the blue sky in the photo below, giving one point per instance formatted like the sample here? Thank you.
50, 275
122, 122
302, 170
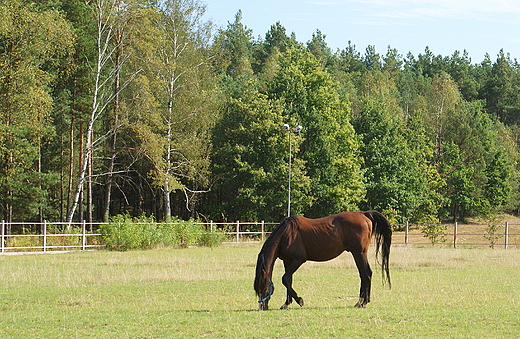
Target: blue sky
478, 26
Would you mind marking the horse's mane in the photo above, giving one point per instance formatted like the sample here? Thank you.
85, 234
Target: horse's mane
285, 228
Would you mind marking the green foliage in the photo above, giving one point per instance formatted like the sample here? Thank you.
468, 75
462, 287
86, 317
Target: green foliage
394, 176
125, 233
176, 95
32, 41
329, 148
250, 160
475, 163
502, 89
189, 123
436, 233
211, 239
233, 49
493, 226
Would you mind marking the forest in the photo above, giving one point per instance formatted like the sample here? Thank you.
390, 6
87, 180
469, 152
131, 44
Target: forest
142, 107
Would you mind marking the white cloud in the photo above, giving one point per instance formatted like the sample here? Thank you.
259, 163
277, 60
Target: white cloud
422, 9
324, 3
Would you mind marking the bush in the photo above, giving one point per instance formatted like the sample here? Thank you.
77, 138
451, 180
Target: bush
435, 232
211, 239
124, 233
493, 226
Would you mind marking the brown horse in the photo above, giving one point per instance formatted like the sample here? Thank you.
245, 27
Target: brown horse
298, 239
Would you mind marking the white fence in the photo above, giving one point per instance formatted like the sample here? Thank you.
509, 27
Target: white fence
64, 236
506, 235
241, 231
55, 236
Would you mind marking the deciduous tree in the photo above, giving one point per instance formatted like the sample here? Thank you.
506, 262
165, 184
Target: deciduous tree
330, 150
175, 98
32, 42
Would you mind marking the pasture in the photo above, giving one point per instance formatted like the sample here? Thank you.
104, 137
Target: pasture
201, 292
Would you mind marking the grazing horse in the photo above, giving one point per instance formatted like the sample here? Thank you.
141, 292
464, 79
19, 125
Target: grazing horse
298, 239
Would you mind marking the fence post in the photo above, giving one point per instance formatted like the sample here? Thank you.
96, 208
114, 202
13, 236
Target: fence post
238, 231
263, 230
211, 226
83, 236
506, 235
44, 233
406, 234
3, 236
455, 230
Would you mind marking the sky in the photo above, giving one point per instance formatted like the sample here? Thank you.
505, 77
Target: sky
445, 26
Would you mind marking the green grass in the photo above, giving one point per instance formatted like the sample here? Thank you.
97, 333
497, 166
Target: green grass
201, 292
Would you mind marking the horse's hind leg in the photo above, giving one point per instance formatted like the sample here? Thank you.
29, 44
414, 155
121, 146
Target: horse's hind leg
287, 279
365, 273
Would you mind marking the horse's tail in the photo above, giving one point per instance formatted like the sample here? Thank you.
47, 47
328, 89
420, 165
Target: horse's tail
383, 234
268, 254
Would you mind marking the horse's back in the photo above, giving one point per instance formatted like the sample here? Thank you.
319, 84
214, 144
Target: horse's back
325, 238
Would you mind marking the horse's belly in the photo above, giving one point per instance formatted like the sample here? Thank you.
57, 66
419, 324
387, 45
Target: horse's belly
323, 254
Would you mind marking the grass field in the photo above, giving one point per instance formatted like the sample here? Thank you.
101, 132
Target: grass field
201, 292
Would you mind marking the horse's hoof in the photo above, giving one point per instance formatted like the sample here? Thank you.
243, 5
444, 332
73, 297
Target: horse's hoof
360, 305
284, 307
300, 302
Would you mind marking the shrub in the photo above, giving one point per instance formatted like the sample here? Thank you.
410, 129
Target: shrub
435, 232
212, 239
187, 233
124, 233
493, 226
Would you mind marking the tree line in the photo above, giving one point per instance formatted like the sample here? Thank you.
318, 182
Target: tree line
142, 107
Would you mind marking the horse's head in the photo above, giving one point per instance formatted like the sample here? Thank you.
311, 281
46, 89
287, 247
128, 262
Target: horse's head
264, 287
265, 294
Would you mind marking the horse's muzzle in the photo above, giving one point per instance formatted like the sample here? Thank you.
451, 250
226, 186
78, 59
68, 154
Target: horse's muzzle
263, 306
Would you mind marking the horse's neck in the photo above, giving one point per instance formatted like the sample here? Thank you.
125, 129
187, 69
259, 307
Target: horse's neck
270, 255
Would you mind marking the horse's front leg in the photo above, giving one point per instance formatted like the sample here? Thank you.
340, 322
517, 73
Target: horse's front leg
287, 280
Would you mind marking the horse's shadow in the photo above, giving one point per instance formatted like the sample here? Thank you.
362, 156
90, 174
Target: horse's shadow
291, 309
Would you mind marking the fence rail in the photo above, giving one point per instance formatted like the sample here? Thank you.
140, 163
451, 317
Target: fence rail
63, 236
54, 236
506, 235
242, 231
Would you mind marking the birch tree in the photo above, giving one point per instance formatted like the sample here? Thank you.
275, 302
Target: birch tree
104, 74
442, 101
126, 12
174, 97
